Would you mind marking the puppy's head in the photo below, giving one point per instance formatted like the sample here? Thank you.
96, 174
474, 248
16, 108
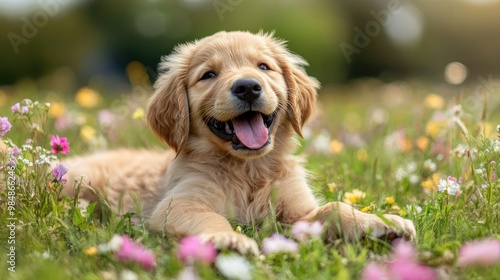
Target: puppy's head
232, 91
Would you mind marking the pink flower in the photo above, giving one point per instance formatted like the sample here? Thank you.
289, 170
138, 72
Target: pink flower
5, 126
192, 249
374, 271
277, 243
15, 108
302, 230
106, 118
63, 122
484, 252
59, 144
59, 172
130, 251
403, 266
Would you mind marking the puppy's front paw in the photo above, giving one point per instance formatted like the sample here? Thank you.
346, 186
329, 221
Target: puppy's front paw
232, 240
394, 227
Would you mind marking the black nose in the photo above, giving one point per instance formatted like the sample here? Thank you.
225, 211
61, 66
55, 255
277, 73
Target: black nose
247, 89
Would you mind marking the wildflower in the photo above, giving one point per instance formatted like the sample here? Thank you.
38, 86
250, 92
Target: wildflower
331, 187
403, 265
336, 146
188, 273
301, 230
15, 108
15, 151
434, 101
277, 243
63, 122
128, 275
134, 252
59, 171
193, 249
87, 133
5, 126
432, 182
59, 145
449, 185
321, 143
479, 171
362, 155
234, 266
389, 200
484, 252
354, 197
87, 97
25, 110
398, 141
138, 114
90, 251
105, 118
430, 165
374, 271
56, 110
422, 143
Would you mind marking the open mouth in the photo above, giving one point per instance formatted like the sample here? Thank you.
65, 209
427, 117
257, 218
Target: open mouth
250, 130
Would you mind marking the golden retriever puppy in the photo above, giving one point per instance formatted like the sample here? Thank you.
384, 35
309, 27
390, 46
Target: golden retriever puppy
228, 105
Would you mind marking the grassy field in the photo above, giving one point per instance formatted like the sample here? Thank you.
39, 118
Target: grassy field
401, 148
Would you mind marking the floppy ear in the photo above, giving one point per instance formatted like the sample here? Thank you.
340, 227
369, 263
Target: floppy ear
168, 108
301, 90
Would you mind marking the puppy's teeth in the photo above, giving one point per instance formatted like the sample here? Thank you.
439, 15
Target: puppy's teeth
228, 129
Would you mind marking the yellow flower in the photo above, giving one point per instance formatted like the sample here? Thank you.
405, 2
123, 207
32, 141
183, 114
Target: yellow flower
331, 187
87, 97
90, 251
354, 197
365, 209
434, 101
389, 200
434, 127
362, 155
336, 147
138, 114
238, 229
422, 143
431, 183
56, 109
87, 133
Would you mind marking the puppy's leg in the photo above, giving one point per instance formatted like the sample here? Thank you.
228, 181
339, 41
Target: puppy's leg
343, 220
186, 216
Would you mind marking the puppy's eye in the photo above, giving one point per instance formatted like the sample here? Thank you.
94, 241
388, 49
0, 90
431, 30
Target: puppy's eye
208, 75
263, 66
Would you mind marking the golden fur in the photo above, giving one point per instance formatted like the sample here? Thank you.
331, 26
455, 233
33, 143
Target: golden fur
204, 180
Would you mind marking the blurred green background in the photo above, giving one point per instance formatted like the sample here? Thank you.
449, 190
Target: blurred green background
110, 45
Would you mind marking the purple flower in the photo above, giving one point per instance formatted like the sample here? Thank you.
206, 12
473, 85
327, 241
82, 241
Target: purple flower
277, 243
59, 172
192, 249
15, 108
5, 126
484, 252
25, 110
130, 251
15, 151
105, 118
302, 230
59, 145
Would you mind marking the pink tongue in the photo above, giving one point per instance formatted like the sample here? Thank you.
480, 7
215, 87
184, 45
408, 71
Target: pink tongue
251, 132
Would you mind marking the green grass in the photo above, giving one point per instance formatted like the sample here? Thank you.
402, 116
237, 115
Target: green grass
52, 235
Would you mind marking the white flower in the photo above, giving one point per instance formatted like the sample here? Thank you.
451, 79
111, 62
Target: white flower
484, 186
430, 165
479, 171
449, 185
302, 230
234, 266
414, 179
115, 244
277, 243
128, 275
